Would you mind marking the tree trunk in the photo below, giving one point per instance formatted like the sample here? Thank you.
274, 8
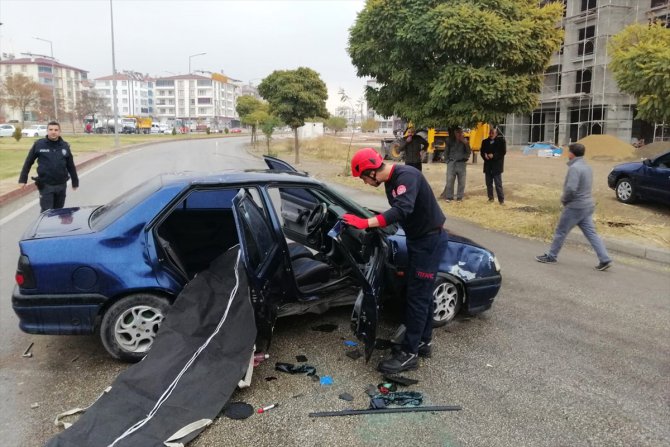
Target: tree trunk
296, 146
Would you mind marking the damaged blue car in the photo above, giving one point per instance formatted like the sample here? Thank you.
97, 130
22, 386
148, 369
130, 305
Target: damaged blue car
115, 269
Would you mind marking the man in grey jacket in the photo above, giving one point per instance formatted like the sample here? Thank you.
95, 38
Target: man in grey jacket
456, 156
578, 209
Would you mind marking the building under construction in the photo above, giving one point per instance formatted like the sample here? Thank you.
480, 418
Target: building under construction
580, 96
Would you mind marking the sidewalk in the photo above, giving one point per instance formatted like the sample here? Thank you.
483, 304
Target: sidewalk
11, 190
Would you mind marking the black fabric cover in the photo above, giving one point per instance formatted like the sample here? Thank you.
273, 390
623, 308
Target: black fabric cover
204, 387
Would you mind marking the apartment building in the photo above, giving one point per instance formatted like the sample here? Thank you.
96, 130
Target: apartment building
196, 98
134, 92
580, 96
67, 81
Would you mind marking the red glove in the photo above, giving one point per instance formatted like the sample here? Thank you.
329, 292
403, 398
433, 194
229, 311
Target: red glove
355, 221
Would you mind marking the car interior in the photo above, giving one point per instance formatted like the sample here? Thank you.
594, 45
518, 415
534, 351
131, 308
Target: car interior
201, 226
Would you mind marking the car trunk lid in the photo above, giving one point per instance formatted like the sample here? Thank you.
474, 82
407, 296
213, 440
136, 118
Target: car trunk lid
51, 223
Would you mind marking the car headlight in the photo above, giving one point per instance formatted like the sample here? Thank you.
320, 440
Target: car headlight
496, 263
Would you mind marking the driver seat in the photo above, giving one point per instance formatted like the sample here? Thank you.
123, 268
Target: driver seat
308, 271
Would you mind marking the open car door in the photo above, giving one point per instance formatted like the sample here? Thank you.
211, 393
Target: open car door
368, 267
277, 164
263, 261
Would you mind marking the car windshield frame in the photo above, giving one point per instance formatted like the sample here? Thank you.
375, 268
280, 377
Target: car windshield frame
105, 215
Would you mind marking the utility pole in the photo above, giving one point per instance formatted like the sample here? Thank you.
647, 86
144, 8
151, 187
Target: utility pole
115, 106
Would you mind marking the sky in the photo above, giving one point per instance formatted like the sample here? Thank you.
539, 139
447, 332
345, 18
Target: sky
246, 40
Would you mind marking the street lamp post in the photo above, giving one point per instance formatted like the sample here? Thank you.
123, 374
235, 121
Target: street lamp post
191, 57
115, 105
53, 75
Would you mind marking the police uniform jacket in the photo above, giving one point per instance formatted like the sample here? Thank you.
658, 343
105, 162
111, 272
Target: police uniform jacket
54, 163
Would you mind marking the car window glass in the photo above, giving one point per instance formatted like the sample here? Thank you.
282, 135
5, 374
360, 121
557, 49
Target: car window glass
210, 199
106, 214
258, 234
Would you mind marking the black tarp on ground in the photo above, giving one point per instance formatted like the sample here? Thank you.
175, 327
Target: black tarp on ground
200, 365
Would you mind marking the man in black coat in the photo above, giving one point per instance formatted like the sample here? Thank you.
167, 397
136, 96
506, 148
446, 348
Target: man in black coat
493, 152
412, 146
54, 167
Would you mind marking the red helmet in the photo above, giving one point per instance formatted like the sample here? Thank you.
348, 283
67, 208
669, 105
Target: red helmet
364, 159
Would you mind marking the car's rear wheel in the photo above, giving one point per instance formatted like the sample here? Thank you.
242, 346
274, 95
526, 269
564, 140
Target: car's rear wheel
130, 325
448, 300
625, 191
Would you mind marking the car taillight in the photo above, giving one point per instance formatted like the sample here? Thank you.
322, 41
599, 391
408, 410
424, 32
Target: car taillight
24, 274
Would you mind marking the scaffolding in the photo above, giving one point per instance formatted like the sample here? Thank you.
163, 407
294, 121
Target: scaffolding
579, 95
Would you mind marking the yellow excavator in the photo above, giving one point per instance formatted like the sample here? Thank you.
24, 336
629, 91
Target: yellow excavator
437, 142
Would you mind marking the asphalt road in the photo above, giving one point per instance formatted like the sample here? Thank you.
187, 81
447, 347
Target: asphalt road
567, 356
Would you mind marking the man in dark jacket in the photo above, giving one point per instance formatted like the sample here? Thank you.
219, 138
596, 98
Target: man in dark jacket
414, 207
54, 167
412, 147
493, 152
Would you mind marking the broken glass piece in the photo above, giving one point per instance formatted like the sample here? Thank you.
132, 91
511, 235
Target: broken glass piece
354, 354
346, 396
292, 369
301, 358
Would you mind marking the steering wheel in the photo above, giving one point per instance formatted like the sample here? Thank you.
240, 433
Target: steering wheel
316, 217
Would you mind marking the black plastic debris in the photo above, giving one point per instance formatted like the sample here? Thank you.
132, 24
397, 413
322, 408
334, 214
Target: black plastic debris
377, 403
292, 369
346, 396
238, 410
270, 378
316, 378
382, 344
328, 327
401, 380
401, 398
354, 354
321, 414
300, 358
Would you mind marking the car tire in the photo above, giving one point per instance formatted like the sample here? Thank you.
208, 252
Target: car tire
625, 191
448, 299
130, 325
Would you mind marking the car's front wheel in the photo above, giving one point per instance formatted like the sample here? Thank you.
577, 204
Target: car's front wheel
448, 300
625, 191
130, 325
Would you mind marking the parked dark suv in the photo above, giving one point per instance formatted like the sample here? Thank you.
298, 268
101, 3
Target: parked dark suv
647, 180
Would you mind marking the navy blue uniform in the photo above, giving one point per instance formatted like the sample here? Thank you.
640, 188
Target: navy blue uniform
414, 207
54, 167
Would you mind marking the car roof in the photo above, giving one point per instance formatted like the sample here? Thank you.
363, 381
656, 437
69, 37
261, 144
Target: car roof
256, 176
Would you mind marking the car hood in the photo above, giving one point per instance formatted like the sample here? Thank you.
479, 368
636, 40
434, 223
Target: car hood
631, 166
452, 237
66, 221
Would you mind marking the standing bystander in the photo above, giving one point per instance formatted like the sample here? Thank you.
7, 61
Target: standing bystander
578, 209
54, 167
412, 146
414, 207
456, 156
493, 152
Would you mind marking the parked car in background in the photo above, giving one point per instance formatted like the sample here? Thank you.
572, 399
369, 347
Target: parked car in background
159, 128
6, 130
117, 268
647, 180
36, 130
235, 130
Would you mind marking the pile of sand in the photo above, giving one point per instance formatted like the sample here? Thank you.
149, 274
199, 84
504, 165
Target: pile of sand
607, 148
653, 149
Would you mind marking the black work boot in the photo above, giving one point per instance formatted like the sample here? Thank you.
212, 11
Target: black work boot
425, 349
400, 361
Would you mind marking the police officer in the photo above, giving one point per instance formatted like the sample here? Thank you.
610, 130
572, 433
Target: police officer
54, 167
414, 207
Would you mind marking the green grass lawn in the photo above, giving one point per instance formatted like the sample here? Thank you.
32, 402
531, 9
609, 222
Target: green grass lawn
13, 153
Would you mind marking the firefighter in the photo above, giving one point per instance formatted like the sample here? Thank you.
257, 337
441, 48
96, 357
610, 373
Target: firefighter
414, 207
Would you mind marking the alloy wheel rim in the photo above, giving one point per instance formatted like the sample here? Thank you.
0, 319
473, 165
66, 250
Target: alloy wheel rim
624, 190
445, 296
136, 328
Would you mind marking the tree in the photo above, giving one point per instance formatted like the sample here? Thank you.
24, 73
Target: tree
268, 127
640, 57
454, 63
247, 108
293, 96
91, 103
336, 123
22, 93
369, 125
45, 108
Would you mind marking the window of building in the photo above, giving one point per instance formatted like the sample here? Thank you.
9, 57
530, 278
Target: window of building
583, 81
43, 69
192, 101
164, 83
204, 82
202, 110
125, 109
657, 3
125, 100
588, 4
202, 92
586, 39
124, 92
204, 100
